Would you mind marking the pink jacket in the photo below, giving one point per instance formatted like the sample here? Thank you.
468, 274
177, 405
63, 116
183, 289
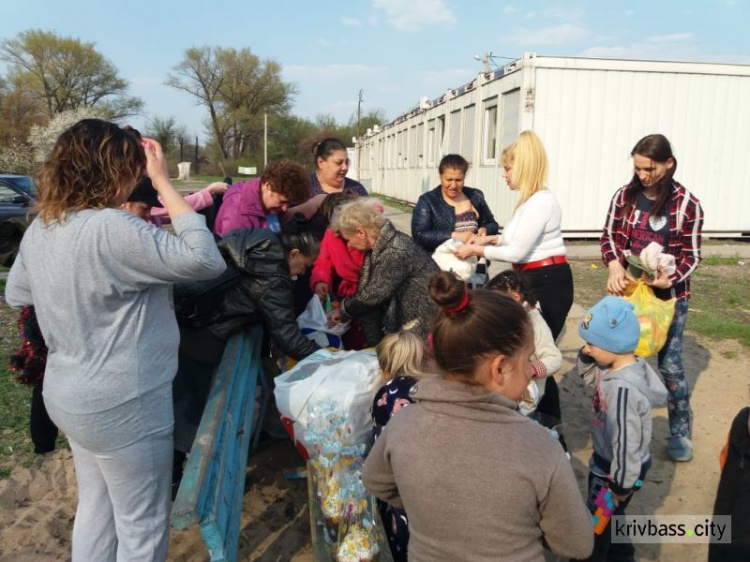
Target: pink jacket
242, 208
340, 262
198, 201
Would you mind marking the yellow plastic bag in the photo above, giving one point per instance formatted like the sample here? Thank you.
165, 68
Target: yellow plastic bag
654, 316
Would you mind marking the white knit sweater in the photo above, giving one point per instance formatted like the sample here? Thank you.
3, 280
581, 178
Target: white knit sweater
533, 232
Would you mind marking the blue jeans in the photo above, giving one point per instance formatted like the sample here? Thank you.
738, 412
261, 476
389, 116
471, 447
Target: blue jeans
670, 366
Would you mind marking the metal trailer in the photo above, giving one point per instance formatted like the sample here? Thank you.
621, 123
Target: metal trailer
589, 113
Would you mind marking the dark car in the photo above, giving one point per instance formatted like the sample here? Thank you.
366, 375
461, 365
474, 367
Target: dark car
17, 195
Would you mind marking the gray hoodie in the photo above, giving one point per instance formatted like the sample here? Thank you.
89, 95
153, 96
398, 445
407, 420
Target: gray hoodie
621, 428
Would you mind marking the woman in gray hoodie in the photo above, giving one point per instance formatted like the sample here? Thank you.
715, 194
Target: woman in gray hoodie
479, 480
100, 280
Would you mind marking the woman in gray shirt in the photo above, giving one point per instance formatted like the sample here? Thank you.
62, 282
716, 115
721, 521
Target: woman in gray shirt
101, 282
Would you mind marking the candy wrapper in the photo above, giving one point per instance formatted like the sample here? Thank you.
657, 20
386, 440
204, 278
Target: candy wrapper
332, 452
359, 535
530, 399
342, 512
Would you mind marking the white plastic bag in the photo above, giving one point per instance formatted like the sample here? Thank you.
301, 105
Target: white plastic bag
313, 322
350, 378
446, 259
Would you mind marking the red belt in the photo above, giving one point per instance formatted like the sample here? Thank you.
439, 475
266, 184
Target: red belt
541, 263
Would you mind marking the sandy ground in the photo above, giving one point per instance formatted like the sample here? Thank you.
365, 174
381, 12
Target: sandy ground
37, 506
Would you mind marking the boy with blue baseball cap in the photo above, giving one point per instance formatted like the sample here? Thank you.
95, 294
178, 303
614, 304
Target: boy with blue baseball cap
626, 388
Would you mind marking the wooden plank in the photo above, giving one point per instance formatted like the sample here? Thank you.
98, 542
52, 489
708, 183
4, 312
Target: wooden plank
211, 493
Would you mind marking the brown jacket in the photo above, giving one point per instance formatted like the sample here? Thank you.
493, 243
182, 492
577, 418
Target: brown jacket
479, 481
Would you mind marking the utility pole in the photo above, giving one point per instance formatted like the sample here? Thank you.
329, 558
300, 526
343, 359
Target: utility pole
486, 61
265, 139
359, 115
359, 110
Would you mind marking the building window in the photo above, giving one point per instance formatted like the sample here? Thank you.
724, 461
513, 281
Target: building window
440, 138
468, 144
454, 141
511, 116
489, 142
431, 142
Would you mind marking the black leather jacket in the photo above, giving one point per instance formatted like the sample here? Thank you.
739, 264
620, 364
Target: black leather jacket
263, 293
434, 220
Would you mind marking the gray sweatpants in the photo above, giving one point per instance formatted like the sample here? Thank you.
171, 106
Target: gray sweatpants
123, 501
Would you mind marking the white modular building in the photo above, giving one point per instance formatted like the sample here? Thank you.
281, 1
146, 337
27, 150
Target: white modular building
589, 113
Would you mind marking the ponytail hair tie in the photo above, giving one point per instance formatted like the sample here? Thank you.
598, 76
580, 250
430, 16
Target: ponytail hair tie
460, 306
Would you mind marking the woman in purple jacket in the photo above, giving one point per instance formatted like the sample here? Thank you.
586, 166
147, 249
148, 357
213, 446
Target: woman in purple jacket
256, 203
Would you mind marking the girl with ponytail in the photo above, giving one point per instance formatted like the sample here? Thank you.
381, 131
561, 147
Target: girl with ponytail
478, 479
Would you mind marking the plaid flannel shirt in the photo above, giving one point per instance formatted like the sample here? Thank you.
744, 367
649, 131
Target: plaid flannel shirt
684, 243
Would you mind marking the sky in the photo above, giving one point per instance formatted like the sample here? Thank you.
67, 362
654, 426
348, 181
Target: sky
395, 51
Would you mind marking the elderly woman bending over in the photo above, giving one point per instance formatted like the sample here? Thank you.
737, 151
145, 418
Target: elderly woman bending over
395, 271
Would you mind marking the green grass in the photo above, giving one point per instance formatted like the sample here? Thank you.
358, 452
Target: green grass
718, 260
719, 296
198, 179
395, 203
15, 406
16, 449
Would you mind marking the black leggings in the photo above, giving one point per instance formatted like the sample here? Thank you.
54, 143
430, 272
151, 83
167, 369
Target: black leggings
553, 288
43, 430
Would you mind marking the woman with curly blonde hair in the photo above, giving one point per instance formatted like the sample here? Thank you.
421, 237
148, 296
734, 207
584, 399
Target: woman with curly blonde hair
100, 280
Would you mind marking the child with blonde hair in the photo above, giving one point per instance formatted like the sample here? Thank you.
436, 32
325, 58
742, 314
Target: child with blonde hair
401, 357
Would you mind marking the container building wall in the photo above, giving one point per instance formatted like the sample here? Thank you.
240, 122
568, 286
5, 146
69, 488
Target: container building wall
589, 114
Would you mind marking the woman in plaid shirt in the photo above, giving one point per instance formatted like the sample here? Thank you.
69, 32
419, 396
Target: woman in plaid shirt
655, 208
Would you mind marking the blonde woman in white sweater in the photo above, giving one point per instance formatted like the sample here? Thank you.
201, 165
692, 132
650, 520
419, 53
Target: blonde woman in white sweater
532, 240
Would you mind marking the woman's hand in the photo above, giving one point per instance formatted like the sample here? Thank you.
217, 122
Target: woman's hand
618, 279
156, 168
660, 281
335, 317
462, 236
482, 231
321, 289
156, 163
484, 240
468, 250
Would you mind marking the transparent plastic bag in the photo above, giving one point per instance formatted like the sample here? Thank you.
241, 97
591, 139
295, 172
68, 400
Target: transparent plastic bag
359, 536
654, 316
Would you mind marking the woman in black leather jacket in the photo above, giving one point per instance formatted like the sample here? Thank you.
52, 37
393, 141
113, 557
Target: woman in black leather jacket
256, 289
451, 210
